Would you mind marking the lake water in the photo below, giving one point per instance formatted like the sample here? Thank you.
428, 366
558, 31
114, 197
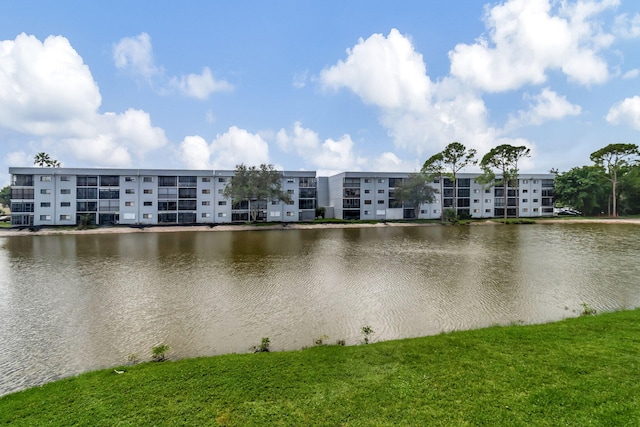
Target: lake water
73, 303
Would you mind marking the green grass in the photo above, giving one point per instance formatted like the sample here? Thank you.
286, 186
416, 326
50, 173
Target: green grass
577, 372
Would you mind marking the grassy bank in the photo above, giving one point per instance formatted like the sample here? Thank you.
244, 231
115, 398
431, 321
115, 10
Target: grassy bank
577, 372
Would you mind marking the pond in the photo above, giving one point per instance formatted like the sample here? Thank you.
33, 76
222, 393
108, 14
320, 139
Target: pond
73, 303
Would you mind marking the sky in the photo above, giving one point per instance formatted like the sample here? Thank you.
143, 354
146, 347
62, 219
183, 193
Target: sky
329, 85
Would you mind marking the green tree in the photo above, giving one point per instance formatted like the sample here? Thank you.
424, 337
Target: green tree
630, 191
414, 191
449, 162
584, 188
614, 158
505, 159
255, 184
42, 159
5, 196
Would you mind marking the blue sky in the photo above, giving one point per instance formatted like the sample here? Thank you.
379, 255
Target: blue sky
315, 85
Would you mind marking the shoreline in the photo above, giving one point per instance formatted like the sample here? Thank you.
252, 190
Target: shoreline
282, 226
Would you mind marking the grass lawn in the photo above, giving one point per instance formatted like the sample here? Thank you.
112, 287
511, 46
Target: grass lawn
577, 372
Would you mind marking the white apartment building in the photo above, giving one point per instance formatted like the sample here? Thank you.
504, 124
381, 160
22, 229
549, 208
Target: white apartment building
68, 196
370, 196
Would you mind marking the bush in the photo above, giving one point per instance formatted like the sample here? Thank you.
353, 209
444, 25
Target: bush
158, 352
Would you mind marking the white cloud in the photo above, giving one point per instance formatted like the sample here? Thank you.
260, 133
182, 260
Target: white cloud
199, 85
226, 151
383, 71
527, 38
135, 54
194, 153
302, 141
47, 91
45, 88
300, 79
631, 74
547, 105
626, 27
626, 112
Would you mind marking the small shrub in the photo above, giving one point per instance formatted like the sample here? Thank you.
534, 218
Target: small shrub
158, 352
451, 216
133, 359
587, 310
341, 342
321, 340
366, 331
263, 347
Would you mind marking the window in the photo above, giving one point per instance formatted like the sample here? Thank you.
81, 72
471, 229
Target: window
222, 214
129, 179
222, 179
487, 191
45, 204
535, 190
188, 193
535, 209
275, 202
65, 217
525, 209
109, 180
487, 200
206, 203
222, 203
167, 181
476, 200
188, 181
525, 191
129, 203
46, 178
87, 181
148, 191
476, 211
380, 191
206, 179
380, 180
525, 181
367, 202
289, 191
220, 191
65, 204
290, 181
289, 213
45, 217
535, 181
476, 191
367, 191
147, 216
65, 191
535, 200
130, 191
205, 215
45, 191
367, 212
381, 202
274, 214
367, 180
148, 204
487, 210
147, 179
64, 178
206, 191
525, 200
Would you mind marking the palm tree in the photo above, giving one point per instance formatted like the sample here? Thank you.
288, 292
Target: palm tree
42, 159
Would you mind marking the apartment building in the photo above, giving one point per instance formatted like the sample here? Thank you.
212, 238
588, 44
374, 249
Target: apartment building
371, 195
69, 196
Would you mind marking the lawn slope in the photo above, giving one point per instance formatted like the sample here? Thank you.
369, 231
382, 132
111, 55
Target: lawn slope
576, 372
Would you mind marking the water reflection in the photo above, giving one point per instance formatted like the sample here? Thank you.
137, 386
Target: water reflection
74, 303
